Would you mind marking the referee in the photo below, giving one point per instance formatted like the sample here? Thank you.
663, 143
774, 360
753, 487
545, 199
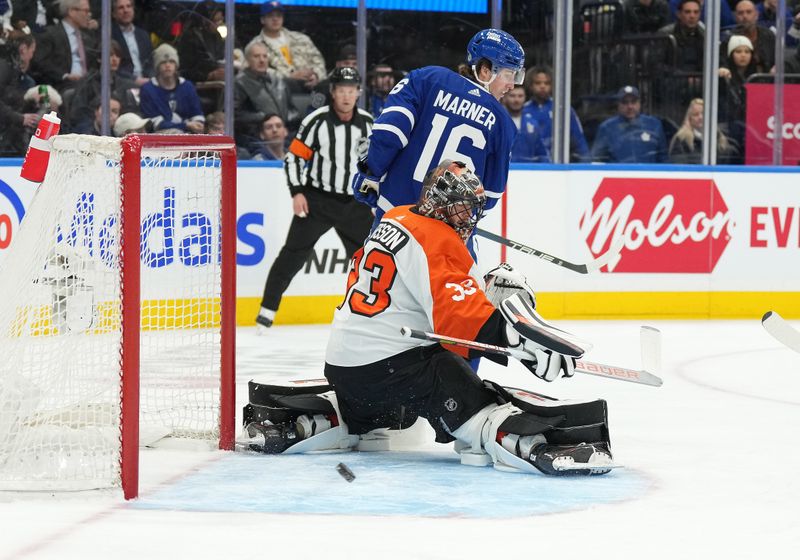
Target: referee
319, 166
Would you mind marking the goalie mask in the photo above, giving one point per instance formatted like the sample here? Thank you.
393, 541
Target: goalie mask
453, 194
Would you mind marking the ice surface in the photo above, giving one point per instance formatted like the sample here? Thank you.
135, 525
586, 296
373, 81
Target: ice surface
712, 463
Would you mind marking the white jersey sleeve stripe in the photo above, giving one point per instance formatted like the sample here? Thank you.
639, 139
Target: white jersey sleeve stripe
394, 130
402, 110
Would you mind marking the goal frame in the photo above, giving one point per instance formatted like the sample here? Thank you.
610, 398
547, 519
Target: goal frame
130, 277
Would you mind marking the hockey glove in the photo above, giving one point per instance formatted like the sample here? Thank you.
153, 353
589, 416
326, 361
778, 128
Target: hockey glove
503, 282
365, 184
365, 188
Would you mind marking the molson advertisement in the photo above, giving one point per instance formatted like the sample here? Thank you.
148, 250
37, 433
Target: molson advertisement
669, 225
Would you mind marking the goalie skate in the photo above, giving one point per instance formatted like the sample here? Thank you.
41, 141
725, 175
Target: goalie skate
581, 459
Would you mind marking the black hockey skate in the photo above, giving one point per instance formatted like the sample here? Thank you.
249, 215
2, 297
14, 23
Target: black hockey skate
271, 438
583, 459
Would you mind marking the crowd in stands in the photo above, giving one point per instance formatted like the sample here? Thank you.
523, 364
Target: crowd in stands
171, 81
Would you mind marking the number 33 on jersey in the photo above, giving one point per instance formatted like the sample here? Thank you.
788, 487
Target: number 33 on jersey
413, 271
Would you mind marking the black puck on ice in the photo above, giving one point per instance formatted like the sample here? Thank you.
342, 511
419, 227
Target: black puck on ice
345, 471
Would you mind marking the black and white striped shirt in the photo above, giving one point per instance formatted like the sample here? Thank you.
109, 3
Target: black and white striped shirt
323, 154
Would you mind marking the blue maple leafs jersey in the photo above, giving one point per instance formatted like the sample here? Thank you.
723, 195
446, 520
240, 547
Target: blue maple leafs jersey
435, 114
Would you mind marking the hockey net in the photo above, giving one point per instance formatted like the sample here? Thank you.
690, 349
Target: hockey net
117, 317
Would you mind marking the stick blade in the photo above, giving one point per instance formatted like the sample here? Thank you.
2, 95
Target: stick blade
607, 257
781, 330
650, 339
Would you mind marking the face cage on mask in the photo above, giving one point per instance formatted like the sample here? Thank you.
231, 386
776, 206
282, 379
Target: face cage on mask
461, 215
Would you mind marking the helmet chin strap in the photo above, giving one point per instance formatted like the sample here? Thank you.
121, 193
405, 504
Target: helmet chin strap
485, 85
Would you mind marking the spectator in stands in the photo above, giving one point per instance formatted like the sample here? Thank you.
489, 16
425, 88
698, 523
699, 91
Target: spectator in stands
630, 136
321, 94
761, 38
732, 92
201, 47
726, 18
539, 85
645, 16
66, 51
215, 123
794, 31
42, 102
169, 101
136, 49
271, 143
130, 123
95, 125
767, 11
528, 146
687, 144
87, 93
5, 19
382, 79
17, 123
689, 35
792, 63
259, 90
32, 16
291, 53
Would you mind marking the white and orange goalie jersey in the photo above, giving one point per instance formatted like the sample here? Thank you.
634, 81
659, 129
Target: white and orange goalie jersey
414, 271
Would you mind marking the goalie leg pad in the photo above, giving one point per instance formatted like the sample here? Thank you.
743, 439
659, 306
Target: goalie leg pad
300, 417
582, 420
501, 435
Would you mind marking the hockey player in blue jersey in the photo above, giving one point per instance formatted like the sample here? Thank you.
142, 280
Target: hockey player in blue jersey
435, 114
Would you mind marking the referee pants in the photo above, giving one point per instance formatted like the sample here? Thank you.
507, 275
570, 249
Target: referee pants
350, 219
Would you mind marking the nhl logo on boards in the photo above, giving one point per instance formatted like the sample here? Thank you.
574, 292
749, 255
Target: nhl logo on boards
670, 225
450, 404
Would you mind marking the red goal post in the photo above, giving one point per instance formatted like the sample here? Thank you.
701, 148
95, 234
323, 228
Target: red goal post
121, 328
132, 147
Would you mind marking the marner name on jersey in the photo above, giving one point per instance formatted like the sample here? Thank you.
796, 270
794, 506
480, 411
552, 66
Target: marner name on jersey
464, 108
391, 237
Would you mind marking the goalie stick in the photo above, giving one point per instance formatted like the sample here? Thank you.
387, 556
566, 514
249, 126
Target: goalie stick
781, 330
651, 347
591, 266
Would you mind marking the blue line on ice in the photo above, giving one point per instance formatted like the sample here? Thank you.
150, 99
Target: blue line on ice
426, 484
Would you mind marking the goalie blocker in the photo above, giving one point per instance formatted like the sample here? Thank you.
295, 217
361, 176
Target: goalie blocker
519, 431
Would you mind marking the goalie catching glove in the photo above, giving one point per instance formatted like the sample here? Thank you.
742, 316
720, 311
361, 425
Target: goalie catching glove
553, 351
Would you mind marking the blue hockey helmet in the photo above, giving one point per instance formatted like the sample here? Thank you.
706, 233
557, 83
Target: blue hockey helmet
499, 48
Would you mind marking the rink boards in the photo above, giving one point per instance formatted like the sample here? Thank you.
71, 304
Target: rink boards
700, 242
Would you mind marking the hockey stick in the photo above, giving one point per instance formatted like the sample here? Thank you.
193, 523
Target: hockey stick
650, 344
591, 266
781, 330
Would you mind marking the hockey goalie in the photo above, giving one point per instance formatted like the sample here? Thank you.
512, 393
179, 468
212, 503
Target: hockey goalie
415, 270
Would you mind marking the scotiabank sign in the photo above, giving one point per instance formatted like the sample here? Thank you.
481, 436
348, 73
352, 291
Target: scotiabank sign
670, 225
761, 130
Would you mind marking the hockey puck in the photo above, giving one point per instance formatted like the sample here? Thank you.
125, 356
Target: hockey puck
345, 471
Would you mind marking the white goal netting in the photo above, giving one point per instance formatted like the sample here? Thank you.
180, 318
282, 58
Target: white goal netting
61, 338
